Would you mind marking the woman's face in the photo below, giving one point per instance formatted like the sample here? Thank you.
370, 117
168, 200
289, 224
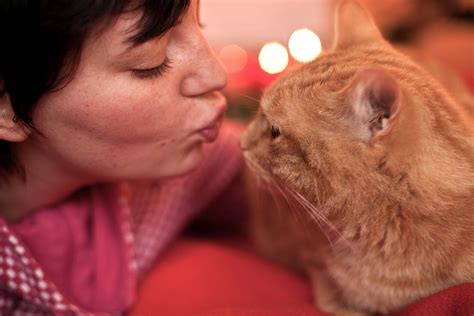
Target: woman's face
120, 117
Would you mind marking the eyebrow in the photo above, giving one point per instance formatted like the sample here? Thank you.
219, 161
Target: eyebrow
133, 45
130, 47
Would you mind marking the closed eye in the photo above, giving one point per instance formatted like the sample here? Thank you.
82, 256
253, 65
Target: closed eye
153, 72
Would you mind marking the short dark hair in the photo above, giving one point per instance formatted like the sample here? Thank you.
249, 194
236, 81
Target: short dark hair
41, 44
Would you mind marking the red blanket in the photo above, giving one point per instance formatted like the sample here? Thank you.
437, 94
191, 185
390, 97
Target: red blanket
204, 277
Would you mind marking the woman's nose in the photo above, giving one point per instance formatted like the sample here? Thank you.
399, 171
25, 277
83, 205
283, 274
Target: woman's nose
206, 72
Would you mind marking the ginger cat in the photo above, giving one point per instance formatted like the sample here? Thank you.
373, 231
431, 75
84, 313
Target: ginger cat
376, 161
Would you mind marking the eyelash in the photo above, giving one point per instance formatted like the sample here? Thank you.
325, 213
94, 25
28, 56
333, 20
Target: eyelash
153, 72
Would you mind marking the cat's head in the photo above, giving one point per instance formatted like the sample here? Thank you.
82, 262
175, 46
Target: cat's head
356, 122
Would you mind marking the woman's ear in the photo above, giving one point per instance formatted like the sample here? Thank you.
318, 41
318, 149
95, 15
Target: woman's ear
11, 129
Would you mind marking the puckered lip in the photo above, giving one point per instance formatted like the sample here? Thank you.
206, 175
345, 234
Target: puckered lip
220, 111
210, 131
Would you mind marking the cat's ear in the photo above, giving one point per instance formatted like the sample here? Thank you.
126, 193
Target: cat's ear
375, 100
354, 25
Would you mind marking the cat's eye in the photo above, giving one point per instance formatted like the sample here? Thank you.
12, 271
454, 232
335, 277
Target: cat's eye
275, 132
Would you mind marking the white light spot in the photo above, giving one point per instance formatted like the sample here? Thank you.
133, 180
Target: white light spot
304, 45
273, 58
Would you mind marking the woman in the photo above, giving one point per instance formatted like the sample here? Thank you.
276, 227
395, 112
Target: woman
103, 104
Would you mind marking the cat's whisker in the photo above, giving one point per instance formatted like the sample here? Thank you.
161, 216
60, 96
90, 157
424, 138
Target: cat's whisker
274, 185
274, 198
247, 107
316, 218
312, 210
312, 207
322, 217
292, 207
259, 185
267, 185
257, 169
250, 98
317, 213
317, 194
269, 182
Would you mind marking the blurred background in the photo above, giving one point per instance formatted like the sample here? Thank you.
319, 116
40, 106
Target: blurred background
258, 40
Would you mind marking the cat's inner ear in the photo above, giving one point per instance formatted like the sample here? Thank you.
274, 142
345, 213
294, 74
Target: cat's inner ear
354, 25
375, 98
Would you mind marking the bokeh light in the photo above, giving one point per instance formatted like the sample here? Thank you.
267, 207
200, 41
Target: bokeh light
234, 58
304, 45
273, 58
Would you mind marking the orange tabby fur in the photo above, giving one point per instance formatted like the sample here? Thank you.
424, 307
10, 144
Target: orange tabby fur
382, 151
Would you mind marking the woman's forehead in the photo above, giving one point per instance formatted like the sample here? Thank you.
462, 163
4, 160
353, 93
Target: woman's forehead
114, 41
116, 36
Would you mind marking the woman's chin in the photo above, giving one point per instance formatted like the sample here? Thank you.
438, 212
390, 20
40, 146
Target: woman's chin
174, 165
179, 166
190, 163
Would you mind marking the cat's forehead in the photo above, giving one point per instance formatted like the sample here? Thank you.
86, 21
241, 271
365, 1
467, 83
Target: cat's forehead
329, 72
276, 101
307, 81
315, 87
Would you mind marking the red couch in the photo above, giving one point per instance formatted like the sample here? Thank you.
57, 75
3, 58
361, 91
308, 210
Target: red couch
223, 277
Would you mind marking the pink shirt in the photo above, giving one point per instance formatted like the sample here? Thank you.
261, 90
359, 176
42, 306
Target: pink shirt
85, 254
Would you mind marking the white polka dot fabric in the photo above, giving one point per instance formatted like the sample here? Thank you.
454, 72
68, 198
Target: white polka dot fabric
24, 288
151, 213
